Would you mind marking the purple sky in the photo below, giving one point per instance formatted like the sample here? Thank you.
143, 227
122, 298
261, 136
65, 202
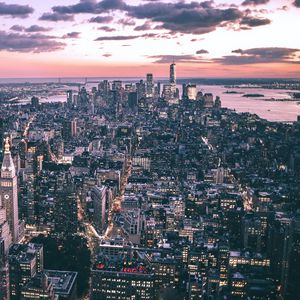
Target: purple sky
131, 37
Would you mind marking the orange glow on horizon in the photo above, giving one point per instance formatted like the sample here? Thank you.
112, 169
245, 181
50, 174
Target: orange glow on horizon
32, 68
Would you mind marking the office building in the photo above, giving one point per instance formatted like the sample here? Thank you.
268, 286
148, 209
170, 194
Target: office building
39, 288
98, 196
64, 284
35, 102
173, 73
70, 98
111, 280
25, 261
149, 85
4, 273
9, 192
133, 100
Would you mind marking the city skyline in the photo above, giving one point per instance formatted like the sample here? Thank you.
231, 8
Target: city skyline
119, 38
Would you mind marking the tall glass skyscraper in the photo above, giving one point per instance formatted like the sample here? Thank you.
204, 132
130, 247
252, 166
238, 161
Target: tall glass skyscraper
173, 73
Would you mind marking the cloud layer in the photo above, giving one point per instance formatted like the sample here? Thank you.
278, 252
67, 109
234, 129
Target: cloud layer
15, 10
261, 55
194, 17
20, 42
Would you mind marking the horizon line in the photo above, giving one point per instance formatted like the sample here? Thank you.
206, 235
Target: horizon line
134, 77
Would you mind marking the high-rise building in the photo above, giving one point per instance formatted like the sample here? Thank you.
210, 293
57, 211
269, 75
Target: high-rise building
173, 73
132, 100
98, 196
23, 147
4, 274
65, 212
111, 280
279, 248
4, 229
25, 261
69, 98
1, 132
5, 242
169, 92
69, 129
35, 102
184, 94
218, 102
103, 88
116, 85
158, 89
9, 191
191, 91
39, 288
64, 284
73, 128
140, 89
208, 100
149, 85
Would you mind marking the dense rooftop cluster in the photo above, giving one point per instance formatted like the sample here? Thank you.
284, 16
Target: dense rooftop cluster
173, 195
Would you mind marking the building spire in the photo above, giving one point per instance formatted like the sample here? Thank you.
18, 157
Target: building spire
7, 145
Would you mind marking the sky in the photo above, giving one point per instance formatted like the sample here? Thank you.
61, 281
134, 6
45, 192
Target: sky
129, 38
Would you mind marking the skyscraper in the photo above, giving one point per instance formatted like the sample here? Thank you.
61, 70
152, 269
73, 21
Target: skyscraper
149, 85
70, 98
5, 242
98, 195
25, 261
173, 73
5, 235
1, 132
9, 192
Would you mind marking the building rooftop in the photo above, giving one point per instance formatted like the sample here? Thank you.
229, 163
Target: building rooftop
63, 281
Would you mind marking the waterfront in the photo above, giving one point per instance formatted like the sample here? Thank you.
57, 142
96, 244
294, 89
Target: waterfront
276, 111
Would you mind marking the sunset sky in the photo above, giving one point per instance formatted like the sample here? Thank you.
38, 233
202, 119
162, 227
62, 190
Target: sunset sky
127, 38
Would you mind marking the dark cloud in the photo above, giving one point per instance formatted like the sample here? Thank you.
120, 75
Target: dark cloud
126, 37
101, 19
72, 35
90, 6
55, 17
145, 26
18, 28
117, 38
241, 57
254, 21
36, 43
107, 55
15, 10
106, 28
195, 40
167, 59
127, 22
182, 17
33, 28
255, 2
202, 51
260, 55
37, 28
193, 17
285, 7
297, 3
